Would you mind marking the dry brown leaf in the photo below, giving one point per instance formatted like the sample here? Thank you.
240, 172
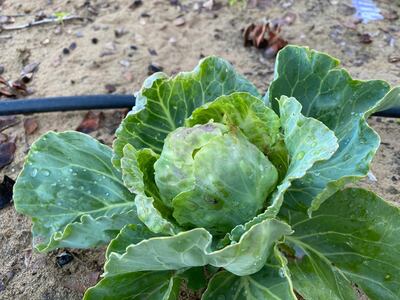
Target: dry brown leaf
30, 125
91, 122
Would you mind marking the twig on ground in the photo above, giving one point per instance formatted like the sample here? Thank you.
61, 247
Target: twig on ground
41, 22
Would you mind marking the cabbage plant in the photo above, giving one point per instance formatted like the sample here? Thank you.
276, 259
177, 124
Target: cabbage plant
213, 188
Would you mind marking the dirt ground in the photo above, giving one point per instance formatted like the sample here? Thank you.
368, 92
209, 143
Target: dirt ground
115, 46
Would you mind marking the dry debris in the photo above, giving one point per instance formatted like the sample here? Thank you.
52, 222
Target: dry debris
264, 36
6, 191
30, 125
91, 122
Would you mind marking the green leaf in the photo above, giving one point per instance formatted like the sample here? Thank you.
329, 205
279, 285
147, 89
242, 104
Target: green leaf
195, 278
152, 218
69, 186
136, 286
164, 103
308, 141
138, 175
330, 95
193, 248
174, 169
352, 238
259, 123
129, 234
271, 282
138, 171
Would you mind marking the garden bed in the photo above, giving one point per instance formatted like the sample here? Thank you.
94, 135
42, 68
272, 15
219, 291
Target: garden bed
114, 53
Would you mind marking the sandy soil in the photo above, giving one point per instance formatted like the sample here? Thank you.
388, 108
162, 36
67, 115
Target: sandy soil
123, 62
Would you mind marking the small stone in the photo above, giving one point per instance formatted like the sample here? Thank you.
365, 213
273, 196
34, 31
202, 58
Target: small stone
30, 68
64, 258
72, 46
95, 41
45, 42
135, 4
394, 59
172, 41
120, 32
365, 38
79, 34
152, 52
133, 47
124, 63
180, 21
153, 68
2, 69
110, 88
58, 30
66, 51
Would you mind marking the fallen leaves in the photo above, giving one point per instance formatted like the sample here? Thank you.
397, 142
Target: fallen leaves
264, 36
6, 191
18, 88
91, 122
6, 122
7, 150
30, 125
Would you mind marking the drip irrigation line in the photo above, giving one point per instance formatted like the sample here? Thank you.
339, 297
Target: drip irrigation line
87, 102
66, 103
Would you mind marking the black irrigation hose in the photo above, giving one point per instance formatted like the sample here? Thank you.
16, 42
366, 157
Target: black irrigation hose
68, 103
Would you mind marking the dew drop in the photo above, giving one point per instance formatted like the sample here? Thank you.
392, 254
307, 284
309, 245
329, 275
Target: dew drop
281, 273
388, 277
46, 172
300, 155
34, 172
70, 170
107, 194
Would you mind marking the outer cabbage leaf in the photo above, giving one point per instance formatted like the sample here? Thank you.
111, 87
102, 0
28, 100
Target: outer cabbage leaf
259, 123
271, 282
129, 234
164, 103
354, 237
330, 95
136, 286
193, 248
75, 196
307, 141
138, 174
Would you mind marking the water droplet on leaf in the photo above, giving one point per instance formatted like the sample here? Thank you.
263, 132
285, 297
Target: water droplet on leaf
300, 155
34, 172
